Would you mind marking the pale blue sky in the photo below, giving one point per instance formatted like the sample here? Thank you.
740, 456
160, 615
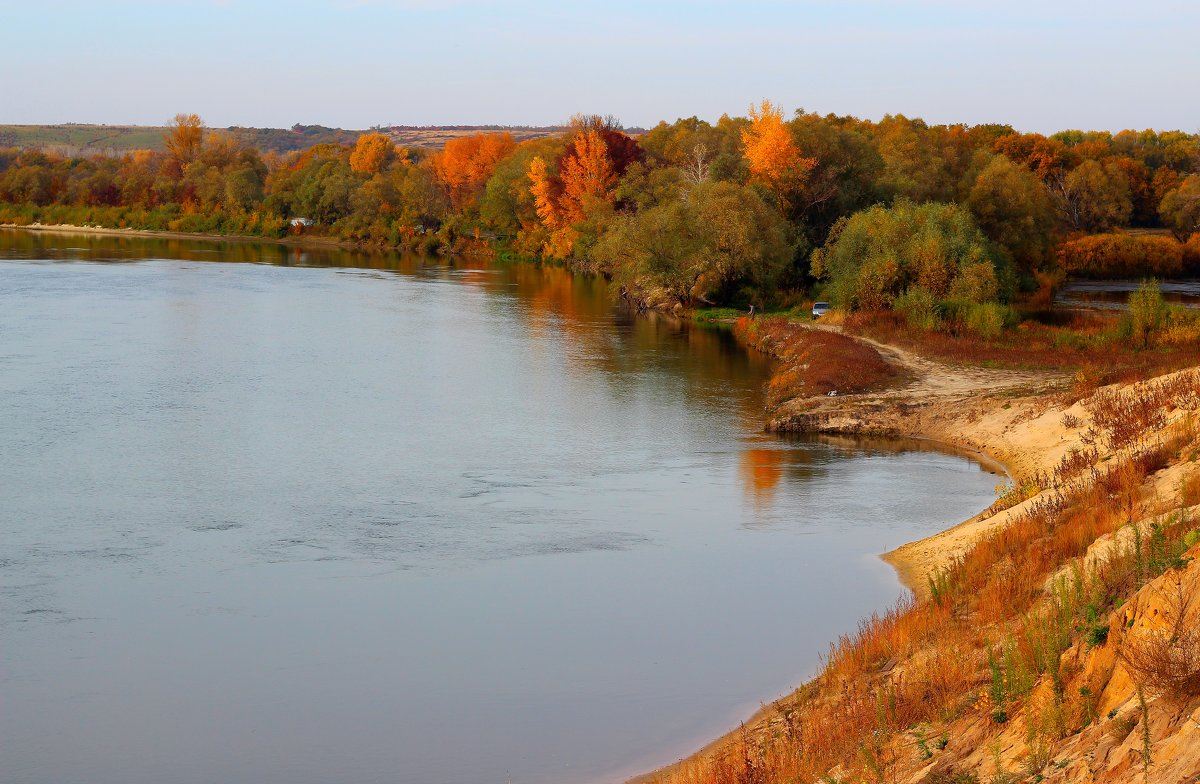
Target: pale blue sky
1041, 66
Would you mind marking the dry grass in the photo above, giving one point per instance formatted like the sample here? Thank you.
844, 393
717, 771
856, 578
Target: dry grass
815, 362
1086, 342
1121, 416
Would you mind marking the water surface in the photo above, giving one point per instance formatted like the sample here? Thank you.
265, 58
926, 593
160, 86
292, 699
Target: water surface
326, 517
1114, 294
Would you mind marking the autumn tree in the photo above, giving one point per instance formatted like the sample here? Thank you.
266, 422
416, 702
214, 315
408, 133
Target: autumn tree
464, 165
29, 184
372, 153
507, 205
915, 165
1044, 157
183, 138
584, 182
774, 158
1180, 208
586, 174
1093, 197
1013, 208
1141, 189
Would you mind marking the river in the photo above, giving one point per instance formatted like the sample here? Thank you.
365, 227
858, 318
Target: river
289, 516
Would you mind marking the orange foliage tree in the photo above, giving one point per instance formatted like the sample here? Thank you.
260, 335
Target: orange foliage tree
587, 175
545, 194
770, 149
464, 165
372, 152
1044, 157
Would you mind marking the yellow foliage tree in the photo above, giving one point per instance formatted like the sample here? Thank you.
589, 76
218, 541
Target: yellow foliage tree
371, 153
183, 139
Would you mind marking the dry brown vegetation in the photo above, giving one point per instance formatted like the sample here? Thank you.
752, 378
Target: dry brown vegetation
1084, 342
815, 362
1166, 661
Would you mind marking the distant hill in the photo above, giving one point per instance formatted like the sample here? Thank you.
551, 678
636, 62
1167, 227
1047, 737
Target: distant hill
75, 139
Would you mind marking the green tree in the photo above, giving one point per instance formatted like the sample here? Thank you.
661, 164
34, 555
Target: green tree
875, 255
845, 178
324, 195
507, 206
718, 242
243, 188
1013, 208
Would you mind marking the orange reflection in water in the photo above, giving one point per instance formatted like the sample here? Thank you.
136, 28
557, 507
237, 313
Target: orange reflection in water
761, 470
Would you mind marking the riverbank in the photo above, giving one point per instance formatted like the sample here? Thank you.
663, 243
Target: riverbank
899, 700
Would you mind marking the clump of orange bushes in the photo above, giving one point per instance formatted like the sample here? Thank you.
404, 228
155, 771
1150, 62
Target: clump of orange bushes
815, 362
1120, 255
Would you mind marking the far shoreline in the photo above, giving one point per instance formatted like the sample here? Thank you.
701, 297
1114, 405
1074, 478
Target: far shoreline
297, 241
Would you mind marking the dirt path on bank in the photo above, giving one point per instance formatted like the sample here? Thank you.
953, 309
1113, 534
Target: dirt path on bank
930, 377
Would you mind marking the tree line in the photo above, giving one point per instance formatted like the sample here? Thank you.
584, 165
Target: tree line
761, 209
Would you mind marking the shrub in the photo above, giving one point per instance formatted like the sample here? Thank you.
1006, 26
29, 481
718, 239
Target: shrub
1121, 256
815, 361
1191, 253
1182, 327
1147, 312
950, 777
873, 257
919, 308
989, 319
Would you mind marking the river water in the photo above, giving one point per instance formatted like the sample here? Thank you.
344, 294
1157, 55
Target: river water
297, 517
1114, 294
